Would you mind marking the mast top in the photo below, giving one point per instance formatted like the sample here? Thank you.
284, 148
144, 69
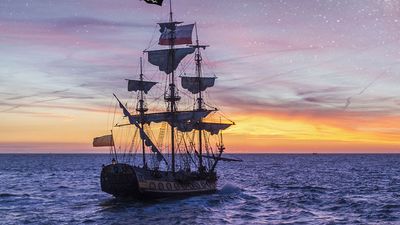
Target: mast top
197, 45
169, 23
170, 11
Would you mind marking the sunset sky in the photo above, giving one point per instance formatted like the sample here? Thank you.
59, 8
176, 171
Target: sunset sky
295, 76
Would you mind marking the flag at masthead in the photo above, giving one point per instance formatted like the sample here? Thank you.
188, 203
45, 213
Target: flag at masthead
156, 2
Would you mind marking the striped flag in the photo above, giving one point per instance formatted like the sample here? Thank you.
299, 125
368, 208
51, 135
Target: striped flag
181, 36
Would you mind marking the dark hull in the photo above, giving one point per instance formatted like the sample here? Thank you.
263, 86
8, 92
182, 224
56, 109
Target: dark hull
123, 180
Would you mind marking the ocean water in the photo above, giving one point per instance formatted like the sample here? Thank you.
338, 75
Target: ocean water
263, 189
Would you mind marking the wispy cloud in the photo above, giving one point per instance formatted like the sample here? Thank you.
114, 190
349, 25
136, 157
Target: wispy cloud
323, 63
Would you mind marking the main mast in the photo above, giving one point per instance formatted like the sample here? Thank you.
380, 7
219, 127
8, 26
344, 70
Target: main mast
199, 99
172, 99
167, 61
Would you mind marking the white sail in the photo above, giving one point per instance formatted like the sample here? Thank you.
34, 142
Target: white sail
138, 85
103, 141
197, 84
164, 60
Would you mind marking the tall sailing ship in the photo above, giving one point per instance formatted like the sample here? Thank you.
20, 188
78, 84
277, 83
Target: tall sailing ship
183, 159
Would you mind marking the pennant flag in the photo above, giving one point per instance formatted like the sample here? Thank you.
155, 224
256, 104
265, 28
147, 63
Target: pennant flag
181, 36
156, 2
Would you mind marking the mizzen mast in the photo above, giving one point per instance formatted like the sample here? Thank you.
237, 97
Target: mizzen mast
198, 60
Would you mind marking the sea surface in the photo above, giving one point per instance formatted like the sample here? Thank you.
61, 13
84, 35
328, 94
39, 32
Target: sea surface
263, 189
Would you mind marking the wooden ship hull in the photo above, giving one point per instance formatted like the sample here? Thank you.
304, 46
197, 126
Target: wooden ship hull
123, 180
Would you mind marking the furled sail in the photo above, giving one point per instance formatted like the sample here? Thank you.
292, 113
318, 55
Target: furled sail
182, 34
179, 117
149, 143
138, 85
103, 141
197, 84
213, 128
163, 58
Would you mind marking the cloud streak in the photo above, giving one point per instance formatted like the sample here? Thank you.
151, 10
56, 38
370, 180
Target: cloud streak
319, 64
349, 99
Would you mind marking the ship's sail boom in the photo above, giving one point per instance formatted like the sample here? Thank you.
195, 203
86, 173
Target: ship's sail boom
197, 84
103, 141
168, 60
138, 85
179, 117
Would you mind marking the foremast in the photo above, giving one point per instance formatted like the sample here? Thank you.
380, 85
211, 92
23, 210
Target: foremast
142, 87
142, 109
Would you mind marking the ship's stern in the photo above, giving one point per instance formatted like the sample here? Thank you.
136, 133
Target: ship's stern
119, 180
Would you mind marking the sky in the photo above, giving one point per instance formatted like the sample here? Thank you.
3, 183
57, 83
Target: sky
296, 76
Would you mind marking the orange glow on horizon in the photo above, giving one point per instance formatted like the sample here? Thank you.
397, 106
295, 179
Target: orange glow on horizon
254, 133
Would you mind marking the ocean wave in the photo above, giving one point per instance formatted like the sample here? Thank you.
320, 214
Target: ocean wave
230, 188
284, 189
